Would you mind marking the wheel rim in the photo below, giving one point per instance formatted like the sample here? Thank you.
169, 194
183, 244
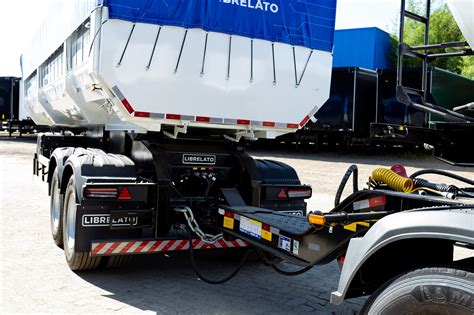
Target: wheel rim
70, 237
55, 208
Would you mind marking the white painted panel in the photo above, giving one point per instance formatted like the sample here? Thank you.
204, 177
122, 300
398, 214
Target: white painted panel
463, 12
186, 92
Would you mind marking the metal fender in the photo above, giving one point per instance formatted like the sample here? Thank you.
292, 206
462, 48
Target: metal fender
456, 225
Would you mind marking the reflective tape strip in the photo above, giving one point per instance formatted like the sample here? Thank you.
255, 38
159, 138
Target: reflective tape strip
126, 248
241, 243
304, 121
118, 93
133, 247
208, 120
370, 203
120, 248
112, 248
147, 248
122, 98
97, 247
143, 247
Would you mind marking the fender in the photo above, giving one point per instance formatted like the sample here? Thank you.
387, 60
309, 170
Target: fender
454, 225
94, 164
58, 160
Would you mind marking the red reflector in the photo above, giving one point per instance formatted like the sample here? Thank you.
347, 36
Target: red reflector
173, 116
299, 192
377, 201
125, 194
268, 124
292, 126
142, 114
127, 105
243, 122
229, 214
341, 260
203, 119
304, 121
101, 192
266, 227
282, 194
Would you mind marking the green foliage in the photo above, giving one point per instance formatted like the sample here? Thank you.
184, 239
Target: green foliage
443, 28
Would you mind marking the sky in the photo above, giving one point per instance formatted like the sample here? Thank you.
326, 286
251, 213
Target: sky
19, 19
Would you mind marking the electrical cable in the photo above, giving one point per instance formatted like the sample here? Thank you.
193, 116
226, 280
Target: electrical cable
443, 173
205, 279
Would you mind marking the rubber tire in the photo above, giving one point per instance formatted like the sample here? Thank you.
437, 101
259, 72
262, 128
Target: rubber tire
56, 232
425, 291
76, 260
117, 261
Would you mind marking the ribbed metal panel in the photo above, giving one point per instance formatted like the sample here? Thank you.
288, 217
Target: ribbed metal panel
367, 48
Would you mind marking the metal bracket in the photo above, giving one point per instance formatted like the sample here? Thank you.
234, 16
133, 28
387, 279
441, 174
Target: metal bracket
177, 131
249, 134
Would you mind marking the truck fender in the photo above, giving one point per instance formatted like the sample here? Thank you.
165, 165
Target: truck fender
58, 160
447, 225
95, 165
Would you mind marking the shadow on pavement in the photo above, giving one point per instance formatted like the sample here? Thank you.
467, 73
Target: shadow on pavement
167, 284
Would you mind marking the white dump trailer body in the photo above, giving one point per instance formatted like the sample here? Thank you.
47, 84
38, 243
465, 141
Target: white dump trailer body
254, 68
463, 12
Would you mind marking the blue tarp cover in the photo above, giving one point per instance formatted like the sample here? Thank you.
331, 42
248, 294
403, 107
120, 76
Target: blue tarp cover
308, 23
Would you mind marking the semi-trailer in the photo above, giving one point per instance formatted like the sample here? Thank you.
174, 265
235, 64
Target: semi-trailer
148, 102
12, 116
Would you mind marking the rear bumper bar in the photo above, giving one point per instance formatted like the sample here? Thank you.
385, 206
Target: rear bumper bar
157, 246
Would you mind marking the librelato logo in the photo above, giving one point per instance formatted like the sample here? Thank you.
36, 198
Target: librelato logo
254, 4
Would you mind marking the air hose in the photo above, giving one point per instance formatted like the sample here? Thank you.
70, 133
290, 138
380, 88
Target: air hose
393, 180
439, 187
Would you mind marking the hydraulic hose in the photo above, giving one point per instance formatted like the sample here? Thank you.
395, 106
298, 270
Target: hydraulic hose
443, 173
439, 187
353, 170
207, 280
393, 180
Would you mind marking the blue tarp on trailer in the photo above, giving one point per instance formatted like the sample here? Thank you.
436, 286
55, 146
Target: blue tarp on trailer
307, 23
368, 48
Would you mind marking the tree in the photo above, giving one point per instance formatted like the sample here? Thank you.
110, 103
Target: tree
443, 28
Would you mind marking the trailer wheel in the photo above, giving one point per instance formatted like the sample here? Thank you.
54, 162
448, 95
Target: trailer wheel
56, 210
425, 291
76, 260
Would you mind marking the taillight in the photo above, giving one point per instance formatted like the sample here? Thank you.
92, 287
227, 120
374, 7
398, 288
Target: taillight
300, 192
101, 192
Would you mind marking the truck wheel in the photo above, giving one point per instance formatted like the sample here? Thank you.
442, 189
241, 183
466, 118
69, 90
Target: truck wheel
425, 291
56, 210
75, 260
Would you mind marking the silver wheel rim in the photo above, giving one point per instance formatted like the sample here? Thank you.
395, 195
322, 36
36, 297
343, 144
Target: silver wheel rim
55, 208
70, 237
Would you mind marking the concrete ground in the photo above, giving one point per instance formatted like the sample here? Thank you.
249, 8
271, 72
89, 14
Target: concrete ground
34, 276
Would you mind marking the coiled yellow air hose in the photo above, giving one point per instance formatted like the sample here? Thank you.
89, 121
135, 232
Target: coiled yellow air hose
393, 180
